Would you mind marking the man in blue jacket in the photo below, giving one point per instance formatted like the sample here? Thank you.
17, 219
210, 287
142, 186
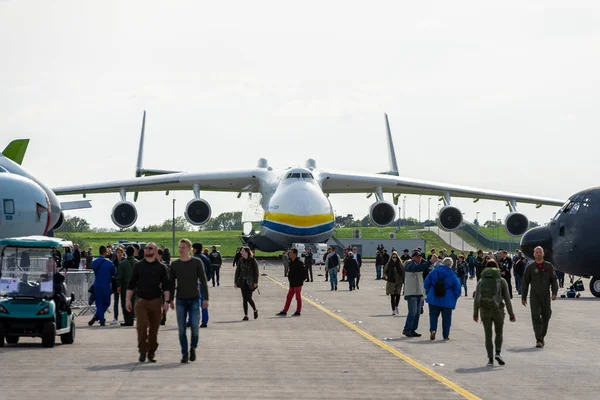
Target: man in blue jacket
197, 247
104, 271
443, 289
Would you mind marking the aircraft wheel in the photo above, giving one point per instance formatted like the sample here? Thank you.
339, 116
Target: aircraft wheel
12, 339
69, 338
595, 286
49, 334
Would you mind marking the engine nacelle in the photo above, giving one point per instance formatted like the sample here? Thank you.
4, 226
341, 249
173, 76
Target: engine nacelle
382, 213
197, 212
60, 222
124, 214
516, 224
450, 218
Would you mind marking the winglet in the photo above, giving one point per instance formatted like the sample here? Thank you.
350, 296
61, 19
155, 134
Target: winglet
391, 153
15, 150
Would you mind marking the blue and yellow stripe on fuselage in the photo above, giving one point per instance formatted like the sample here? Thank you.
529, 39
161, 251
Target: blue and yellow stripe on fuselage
299, 225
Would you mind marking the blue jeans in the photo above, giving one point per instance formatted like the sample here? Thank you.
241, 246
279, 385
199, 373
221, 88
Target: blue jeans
204, 310
378, 271
463, 283
414, 313
185, 308
518, 280
434, 314
333, 277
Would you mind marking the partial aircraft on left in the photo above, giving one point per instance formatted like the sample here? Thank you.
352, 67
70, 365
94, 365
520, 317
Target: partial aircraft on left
27, 206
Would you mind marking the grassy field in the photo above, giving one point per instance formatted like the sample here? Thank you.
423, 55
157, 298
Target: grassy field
228, 241
499, 232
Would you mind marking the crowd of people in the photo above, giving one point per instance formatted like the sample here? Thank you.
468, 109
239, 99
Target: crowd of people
143, 282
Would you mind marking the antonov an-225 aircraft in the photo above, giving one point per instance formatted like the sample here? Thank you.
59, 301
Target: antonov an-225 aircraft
294, 203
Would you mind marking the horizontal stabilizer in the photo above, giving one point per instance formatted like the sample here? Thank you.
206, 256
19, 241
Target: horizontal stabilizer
75, 205
15, 150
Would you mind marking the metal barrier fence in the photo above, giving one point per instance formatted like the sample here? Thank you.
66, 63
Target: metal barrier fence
78, 282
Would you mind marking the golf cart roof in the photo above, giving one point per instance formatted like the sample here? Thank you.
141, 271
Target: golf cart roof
35, 241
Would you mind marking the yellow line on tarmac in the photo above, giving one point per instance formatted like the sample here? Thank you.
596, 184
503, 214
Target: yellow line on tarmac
457, 388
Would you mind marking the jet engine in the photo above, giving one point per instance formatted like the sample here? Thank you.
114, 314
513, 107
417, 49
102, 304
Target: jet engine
449, 218
516, 224
382, 213
197, 212
124, 214
60, 222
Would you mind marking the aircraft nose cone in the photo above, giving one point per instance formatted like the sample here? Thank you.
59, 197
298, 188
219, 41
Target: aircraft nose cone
540, 236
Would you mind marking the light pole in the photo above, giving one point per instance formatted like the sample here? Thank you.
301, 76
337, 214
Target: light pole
173, 243
462, 238
429, 209
477, 230
438, 225
404, 208
494, 230
498, 234
419, 209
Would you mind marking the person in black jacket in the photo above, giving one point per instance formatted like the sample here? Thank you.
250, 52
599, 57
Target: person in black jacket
309, 262
296, 276
246, 279
351, 267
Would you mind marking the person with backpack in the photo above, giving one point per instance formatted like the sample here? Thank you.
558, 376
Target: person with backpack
491, 296
471, 262
443, 290
462, 271
394, 274
541, 276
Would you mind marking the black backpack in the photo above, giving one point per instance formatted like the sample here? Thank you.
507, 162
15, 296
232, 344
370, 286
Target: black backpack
439, 288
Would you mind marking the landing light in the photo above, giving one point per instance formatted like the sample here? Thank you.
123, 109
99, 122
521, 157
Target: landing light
3, 310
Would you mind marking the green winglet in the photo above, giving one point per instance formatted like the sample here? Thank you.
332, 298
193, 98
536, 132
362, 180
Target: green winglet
16, 150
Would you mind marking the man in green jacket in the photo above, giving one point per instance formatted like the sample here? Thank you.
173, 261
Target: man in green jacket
542, 278
123, 275
491, 296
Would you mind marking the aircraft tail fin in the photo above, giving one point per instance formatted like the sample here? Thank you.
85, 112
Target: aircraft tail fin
139, 170
391, 152
16, 149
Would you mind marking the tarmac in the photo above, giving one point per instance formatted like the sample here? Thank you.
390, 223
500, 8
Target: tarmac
346, 345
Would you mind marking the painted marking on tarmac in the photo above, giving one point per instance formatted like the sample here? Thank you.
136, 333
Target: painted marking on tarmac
454, 386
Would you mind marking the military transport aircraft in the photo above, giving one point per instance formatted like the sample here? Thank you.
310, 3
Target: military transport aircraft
292, 204
27, 206
570, 240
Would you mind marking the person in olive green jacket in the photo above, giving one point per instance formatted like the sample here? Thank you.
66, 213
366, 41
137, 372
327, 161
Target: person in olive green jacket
491, 296
123, 275
542, 278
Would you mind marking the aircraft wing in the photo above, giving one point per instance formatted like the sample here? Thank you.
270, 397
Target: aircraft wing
224, 181
344, 182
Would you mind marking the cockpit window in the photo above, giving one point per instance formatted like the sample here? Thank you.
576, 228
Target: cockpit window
308, 175
577, 205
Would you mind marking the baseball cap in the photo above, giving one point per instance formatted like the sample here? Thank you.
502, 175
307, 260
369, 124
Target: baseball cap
416, 254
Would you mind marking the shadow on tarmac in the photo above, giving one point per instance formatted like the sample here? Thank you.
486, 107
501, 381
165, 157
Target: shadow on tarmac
133, 365
476, 370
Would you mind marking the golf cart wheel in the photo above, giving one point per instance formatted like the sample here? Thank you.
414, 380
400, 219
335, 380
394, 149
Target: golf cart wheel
49, 334
12, 339
1, 334
69, 338
595, 286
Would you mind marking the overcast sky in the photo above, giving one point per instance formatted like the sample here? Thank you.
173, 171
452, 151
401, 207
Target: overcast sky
502, 97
